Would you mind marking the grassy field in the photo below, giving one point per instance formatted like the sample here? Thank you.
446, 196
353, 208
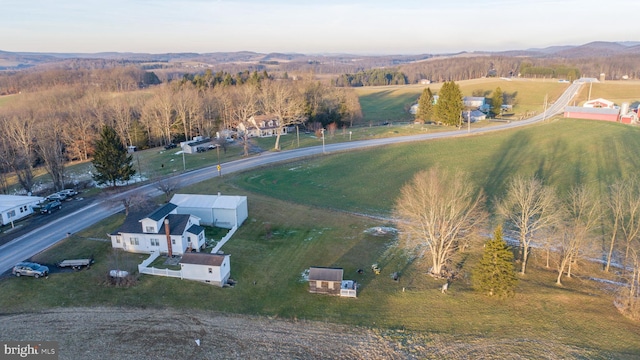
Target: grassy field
562, 152
300, 216
392, 103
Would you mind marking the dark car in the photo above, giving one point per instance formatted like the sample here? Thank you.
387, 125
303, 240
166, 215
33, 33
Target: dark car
50, 206
30, 269
170, 146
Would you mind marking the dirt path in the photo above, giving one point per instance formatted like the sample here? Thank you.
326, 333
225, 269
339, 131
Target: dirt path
114, 333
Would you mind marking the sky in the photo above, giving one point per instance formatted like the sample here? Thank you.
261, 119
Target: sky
368, 27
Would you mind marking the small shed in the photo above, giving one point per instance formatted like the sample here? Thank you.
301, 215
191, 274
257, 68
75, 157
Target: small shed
326, 280
15, 207
209, 268
191, 147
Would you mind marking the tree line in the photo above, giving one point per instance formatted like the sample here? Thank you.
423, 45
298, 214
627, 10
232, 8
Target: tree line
439, 213
61, 123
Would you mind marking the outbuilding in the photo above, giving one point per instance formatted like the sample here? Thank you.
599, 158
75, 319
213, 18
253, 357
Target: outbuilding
225, 211
327, 280
209, 268
16, 207
603, 114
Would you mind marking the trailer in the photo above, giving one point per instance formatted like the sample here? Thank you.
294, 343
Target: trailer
76, 264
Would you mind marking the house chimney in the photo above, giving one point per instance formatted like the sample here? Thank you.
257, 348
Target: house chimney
166, 230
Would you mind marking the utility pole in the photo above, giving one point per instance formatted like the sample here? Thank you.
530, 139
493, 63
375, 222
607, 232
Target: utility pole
544, 114
322, 130
468, 121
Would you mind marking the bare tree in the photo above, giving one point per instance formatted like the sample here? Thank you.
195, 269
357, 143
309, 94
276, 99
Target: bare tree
583, 213
529, 207
618, 193
630, 219
50, 147
168, 186
435, 211
246, 105
18, 131
283, 100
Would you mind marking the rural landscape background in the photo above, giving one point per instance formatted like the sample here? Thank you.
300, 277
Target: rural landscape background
336, 209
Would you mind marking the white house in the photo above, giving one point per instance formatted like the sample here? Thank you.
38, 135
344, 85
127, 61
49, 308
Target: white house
225, 211
474, 115
599, 103
163, 231
15, 207
261, 126
473, 101
210, 268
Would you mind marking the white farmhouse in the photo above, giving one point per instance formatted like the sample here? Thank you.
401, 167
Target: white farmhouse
224, 211
209, 268
15, 207
163, 231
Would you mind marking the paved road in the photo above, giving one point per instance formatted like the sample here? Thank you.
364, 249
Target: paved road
49, 234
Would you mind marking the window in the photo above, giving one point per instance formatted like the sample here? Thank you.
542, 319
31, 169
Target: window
150, 229
201, 236
134, 241
210, 271
117, 239
155, 242
21, 209
173, 241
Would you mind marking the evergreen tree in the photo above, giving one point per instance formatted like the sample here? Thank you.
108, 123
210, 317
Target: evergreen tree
496, 101
425, 106
449, 107
111, 161
495, 273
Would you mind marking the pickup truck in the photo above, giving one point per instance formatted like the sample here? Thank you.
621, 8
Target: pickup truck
76, 264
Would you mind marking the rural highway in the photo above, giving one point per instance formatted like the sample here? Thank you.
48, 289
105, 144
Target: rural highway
47, 235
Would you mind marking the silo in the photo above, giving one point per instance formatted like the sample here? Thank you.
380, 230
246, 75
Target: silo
624, 108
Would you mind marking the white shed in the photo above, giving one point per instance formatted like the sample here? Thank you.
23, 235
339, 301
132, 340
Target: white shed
225, 211
15, 207
210, 268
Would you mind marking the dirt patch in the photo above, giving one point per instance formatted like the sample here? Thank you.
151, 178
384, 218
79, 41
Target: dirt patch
121, 333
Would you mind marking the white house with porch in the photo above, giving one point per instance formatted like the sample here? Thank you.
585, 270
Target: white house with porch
225, 211
16, 207
163, 231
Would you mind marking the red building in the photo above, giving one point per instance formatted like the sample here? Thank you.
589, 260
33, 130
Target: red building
604, 114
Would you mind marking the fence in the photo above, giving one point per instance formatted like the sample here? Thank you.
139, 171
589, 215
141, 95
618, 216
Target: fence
144, 269
224, 239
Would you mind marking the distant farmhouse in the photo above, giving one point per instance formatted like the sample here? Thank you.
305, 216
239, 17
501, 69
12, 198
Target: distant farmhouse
16, 207
603, 110
261, 126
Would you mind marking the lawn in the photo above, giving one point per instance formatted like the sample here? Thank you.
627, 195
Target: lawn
301, 215
561, 152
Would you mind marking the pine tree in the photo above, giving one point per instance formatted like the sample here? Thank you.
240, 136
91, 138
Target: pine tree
425, 106
496, 101
448, 109
111, 161
495, 273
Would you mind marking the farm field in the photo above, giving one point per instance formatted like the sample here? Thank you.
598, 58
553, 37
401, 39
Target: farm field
305, 214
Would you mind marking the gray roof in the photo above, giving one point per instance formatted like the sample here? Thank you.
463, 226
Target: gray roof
202, 259
195, 229
162, 212
325, 274
177, 224
588, 110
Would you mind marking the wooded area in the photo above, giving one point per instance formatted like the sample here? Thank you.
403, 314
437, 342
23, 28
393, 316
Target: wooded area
58, 114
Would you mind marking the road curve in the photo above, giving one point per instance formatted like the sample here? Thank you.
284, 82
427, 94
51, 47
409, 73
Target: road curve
47, 235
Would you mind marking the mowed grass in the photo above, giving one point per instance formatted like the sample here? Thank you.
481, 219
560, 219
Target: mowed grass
617, 91
561, 152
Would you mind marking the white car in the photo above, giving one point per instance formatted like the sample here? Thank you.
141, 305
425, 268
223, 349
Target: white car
68, 192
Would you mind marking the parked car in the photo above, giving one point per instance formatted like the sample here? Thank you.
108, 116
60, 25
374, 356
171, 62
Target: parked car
68, 192
57, 196
170, 146
201, 149
30, 269
50, 206
212, 146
